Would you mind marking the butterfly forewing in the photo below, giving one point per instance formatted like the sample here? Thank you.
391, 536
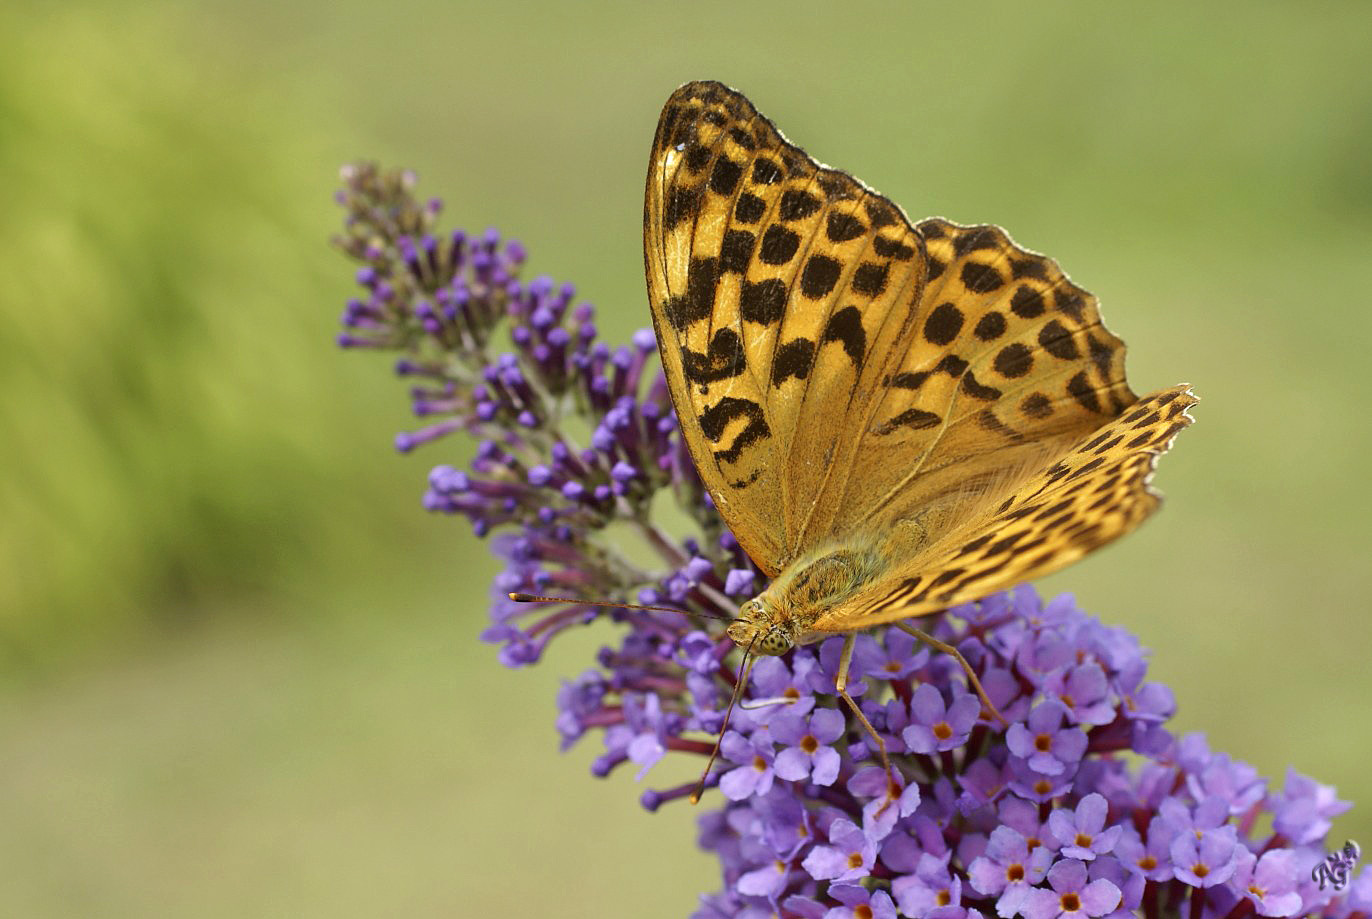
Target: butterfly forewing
1093, 494
783, 294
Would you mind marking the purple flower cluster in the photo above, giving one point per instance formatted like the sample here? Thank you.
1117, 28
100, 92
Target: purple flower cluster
1085, 806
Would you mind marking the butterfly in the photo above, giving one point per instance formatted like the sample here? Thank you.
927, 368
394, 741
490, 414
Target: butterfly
892, 418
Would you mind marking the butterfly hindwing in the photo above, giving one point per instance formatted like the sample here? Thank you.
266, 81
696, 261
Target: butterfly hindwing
782, 294
1009, 366
1093, 494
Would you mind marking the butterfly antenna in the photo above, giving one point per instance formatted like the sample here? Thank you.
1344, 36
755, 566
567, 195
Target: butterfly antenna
611, 604
745, 669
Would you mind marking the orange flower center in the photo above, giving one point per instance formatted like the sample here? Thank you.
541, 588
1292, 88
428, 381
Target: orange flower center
1043, 743
943, 730
1070, 903
809, 744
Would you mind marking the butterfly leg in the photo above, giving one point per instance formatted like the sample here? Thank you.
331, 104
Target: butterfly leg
841, 687
946, 648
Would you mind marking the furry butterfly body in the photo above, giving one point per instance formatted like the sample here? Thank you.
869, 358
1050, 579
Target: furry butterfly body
892, 418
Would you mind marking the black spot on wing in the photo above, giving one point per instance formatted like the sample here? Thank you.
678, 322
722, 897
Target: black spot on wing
1057, 341
735, 251
723, 360
988, 421
1101, 353
870, 278
910, 380
1136, 414
749, 208
1080, 389
1026, 302
779, 245
1055, 509
762, 301
795, 164
950, 575
977, 390
951, 365
793, 359
1086, 468
913, 418
715, 419
944, 324
698, 302
881, 213
766, 172
974, 238
835, 185
684, 132
1070, 302
666, 125
990, 327
891, 248
697, 158
743, 138
1110, 444
797, 205
744, 483
1036, 405
820, 275
932, 228
976, 544
843, 227
846, 326
683, 203
724, 177
1028, 268
1147, 421
980, 278
1014, 361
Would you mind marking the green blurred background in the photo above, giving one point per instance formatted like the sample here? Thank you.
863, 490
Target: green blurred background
240, 673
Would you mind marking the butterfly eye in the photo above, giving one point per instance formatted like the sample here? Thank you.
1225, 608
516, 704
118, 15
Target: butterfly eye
773, 643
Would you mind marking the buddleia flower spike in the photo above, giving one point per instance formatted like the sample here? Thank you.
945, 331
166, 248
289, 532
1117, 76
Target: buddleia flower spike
981, 434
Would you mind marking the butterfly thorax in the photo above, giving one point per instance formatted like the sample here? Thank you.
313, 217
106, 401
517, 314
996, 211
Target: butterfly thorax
782, 615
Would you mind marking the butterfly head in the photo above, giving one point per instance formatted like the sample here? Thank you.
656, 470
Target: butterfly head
756, 629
